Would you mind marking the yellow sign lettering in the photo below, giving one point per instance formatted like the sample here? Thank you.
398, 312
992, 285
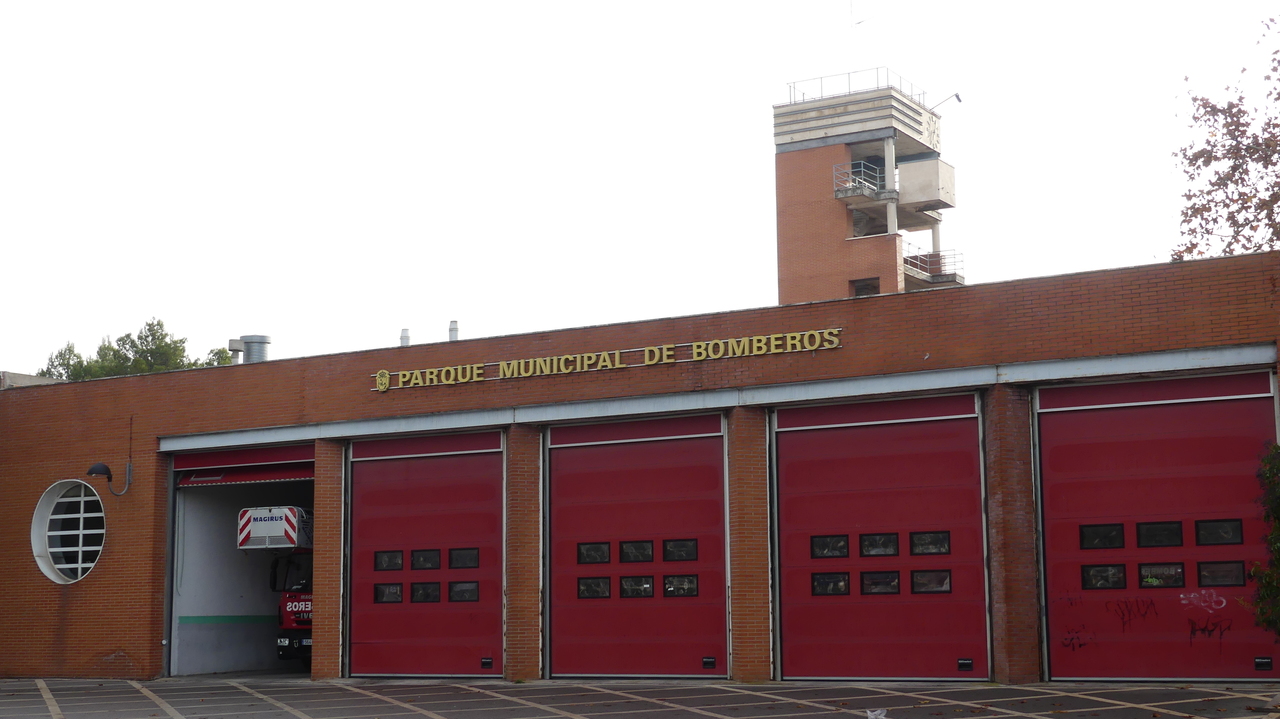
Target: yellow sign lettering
712, 349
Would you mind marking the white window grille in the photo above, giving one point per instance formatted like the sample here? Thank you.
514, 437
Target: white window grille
67, 531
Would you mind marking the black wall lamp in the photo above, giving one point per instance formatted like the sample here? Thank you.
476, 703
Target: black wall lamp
100, 469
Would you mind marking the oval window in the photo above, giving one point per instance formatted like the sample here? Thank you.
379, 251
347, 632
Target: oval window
67, 531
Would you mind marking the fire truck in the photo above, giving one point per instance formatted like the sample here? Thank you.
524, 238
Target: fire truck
286, 531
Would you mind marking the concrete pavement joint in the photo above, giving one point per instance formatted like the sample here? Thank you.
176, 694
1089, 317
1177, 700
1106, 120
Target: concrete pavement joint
49, 701
168, 709
388, 699
888, 693
672, 705
266, 698
1118, 703
518, 700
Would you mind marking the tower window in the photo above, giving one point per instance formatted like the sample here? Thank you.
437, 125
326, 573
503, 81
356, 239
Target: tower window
864, 288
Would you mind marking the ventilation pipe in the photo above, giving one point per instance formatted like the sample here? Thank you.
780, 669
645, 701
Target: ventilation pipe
255, 347
236, 347
404, 338
453, 330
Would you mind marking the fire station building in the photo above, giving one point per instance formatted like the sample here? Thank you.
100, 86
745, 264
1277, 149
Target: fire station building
891, 475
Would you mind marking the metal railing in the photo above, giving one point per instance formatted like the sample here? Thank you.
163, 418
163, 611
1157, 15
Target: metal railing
943, 262
858, 175
850, 82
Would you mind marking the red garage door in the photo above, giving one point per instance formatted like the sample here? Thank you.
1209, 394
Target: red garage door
1151, 524
881, 540
426, 555
637, 548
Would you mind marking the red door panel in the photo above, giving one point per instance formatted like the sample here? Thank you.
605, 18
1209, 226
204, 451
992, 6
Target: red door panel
638, 493
445, 616
1121, 605
889, 480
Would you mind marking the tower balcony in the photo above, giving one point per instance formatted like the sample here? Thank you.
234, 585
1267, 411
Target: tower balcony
925, 186
922, 270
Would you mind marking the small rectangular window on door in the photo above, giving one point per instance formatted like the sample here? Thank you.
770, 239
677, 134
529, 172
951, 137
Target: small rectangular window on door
635, 551
830, 545
1102, 536
635, 587
388, 561
1156, 576
593, 588
593, 553
424, 592
1219, 531
1221, 574
878, 545
1102, 576
827, 584
464, 558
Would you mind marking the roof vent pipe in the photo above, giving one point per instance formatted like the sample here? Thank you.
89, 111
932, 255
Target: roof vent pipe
453, 330
236, 347
255, 347
404, 338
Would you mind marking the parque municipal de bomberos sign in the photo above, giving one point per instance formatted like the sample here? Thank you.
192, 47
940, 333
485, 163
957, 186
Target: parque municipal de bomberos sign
717, 349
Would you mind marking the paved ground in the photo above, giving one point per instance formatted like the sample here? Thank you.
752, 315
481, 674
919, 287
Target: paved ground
273, 697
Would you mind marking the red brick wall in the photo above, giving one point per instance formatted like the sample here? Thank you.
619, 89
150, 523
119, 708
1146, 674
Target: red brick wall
812, 223
816, 260
110, 623
749, 619
326, 614
523, 618
871, 256
1011, 529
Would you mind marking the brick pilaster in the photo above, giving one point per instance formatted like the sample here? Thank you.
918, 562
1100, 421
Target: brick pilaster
523, 606
1011, 514
326, 607
749, 545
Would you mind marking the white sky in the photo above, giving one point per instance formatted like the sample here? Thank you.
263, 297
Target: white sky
329, 173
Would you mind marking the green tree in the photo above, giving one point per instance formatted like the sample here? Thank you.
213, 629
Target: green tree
1266, 598
153, 350
1234, 172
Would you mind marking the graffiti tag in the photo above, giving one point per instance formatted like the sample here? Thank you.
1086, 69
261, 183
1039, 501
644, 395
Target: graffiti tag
1127, 610
1208, 628
1208, 600
1077, 638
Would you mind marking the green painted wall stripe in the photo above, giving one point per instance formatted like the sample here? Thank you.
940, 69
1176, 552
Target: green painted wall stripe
231, 619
